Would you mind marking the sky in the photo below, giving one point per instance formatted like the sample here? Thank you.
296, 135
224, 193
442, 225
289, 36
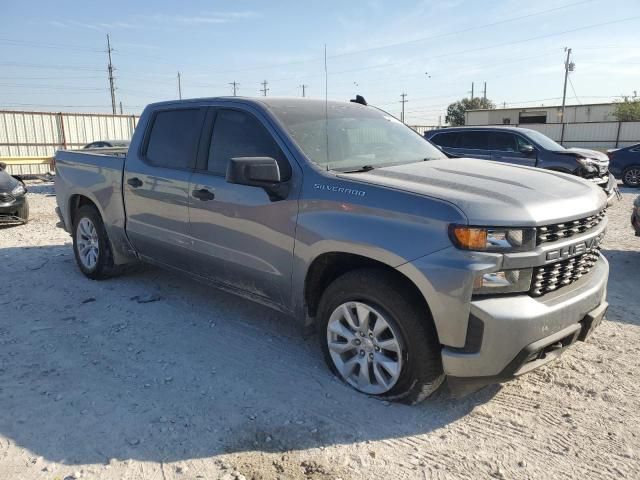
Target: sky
53, 55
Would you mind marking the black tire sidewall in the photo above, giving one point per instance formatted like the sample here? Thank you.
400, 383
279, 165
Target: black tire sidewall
23, 211
421, 350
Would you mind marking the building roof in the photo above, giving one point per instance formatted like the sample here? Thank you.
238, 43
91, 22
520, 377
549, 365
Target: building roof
537, 107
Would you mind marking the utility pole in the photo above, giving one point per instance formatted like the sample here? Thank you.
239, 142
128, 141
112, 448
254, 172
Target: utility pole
484, 94
403, 100
235, 86
179, 86
471, 90
120, 107
110, 68
304, 88
264, 89
568, 66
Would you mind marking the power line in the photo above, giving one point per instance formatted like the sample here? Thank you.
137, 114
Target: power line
575, 95
464, 30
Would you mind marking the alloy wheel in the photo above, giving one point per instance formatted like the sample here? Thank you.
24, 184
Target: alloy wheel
365, 346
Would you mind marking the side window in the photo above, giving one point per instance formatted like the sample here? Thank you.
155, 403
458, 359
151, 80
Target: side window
522, 142
445, 139
473, 140
240, 134
173, 140
503, 141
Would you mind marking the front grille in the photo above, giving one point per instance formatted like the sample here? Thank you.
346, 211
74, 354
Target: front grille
556, 275
551, 233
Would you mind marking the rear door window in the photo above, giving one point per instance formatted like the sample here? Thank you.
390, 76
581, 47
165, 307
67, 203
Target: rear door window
445, 139
174, 136
473, 140
503, 141
240, 134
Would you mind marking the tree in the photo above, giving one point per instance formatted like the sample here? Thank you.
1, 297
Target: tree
628, 110
456, 111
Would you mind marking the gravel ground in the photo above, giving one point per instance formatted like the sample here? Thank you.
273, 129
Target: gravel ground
151, 375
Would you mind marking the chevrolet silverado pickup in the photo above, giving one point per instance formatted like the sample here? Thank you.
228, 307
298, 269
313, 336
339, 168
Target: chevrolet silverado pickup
414, 268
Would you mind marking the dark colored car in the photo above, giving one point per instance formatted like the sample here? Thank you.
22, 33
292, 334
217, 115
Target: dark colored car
13, 201
624, 163
522, 146
635, 216
107, 144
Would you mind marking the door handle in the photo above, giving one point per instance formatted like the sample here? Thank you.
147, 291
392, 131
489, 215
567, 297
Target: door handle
135, 182
203, 194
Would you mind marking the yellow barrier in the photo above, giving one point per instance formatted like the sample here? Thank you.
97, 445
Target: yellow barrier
26, 160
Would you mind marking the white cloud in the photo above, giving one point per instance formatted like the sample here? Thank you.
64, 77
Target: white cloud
160, 20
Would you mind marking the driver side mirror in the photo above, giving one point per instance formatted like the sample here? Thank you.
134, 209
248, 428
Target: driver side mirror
527, 149
263, 172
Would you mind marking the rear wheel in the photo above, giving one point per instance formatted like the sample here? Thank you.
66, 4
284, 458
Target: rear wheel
378, 338
631, 176
91, 244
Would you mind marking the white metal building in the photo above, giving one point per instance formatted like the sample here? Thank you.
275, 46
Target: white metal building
593, 112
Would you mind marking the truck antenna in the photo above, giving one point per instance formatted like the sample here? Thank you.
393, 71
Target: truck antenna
326, 103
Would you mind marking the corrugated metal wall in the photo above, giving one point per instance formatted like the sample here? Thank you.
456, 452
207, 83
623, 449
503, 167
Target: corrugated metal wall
598, 135
26, 134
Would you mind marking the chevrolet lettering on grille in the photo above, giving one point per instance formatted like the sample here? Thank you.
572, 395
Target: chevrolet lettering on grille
575, 249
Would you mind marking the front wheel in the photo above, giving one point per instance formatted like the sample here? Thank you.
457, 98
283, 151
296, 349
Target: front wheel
377, 337
631, 176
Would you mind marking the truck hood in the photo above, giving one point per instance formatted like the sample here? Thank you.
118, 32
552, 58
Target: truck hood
492, 193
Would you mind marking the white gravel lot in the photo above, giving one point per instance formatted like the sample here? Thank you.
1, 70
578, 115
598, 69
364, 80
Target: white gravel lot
201, 384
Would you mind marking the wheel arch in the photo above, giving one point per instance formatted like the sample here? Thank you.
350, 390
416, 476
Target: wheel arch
328, 266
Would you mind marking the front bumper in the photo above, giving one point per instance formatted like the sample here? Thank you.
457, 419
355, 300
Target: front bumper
10, 210
509, 330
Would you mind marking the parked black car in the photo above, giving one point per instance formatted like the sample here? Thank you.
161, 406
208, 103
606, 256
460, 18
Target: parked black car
624, 163
13, 200
522, 146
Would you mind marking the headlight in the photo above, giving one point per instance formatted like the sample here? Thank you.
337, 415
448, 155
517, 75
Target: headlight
18, 190
493, 239
505, 281
588, 164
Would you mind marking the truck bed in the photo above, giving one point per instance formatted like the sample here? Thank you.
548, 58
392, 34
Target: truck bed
98, 178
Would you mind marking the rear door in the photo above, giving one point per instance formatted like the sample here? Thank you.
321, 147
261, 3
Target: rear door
156, 186
505, 147
242, 238
473, 144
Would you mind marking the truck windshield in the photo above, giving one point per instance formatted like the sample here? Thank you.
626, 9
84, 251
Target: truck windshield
351, 136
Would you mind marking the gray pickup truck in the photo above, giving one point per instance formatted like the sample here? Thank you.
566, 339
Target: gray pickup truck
412, 267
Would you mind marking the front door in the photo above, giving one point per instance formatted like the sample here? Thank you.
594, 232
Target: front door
156, 186
506, 146
241, 238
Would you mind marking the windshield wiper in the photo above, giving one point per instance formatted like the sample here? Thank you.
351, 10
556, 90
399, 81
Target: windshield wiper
364, 168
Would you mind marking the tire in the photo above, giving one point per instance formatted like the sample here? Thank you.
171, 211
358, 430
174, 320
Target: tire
631, 176
102, 265
23, 212
418, 358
